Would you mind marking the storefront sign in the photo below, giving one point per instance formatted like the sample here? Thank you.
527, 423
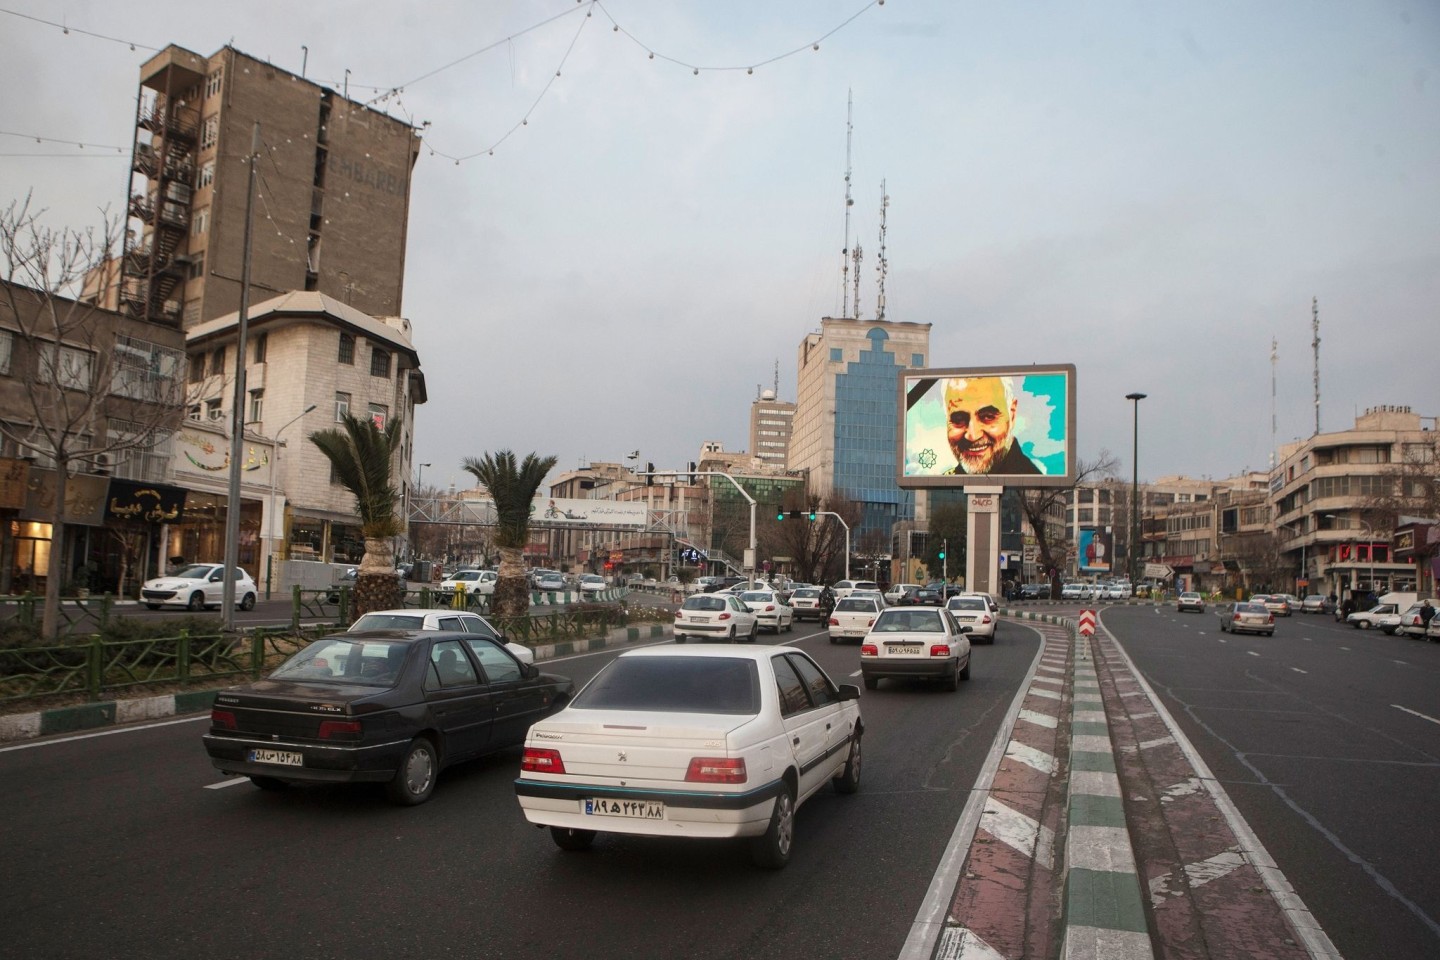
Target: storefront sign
144, 502
84, 498
14, 482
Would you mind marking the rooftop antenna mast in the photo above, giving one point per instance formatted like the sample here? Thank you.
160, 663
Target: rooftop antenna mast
1274, 355
1315, 345
845, 253
857, 255
777, 379
881, 264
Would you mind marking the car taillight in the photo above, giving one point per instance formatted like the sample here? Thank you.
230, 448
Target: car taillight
1270, 619
985, 619
339, 729
769, 607
869, 650
834, 622
225, 719
716, 770
940, 650
1236, 617
542, 760
870, 622
723, 616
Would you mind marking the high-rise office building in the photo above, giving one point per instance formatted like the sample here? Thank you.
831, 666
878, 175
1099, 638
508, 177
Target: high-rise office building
332, 199
771, 423
847, 414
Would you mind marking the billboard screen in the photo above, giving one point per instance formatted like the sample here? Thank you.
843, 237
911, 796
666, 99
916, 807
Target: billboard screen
987, 426
1097, 548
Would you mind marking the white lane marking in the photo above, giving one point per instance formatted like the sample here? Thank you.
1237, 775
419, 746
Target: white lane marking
856, 673
105, 733
1415, 712
1298, 670
1222, 639
1344, 648
1019, 832
1214, 867
961, 943
1041, 692
1402, 663
227, 783
1252, 653
1157, 742
1031, 757
1040, 719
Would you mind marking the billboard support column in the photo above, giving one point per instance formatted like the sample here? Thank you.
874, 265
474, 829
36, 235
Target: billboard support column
982, 538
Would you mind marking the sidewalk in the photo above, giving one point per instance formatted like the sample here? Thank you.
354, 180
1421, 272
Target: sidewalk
1105, 837
106, 713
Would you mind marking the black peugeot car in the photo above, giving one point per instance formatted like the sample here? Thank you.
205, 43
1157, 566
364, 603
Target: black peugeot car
391, 706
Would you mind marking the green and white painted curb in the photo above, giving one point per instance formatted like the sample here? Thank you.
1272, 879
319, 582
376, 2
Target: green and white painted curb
108, 713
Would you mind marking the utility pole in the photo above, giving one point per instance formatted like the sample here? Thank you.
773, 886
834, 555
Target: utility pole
945, 559
845, 251
1315, 345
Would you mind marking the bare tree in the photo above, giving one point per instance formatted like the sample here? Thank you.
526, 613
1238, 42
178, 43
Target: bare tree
816, 548
85, 386
1043, 505
1415, 491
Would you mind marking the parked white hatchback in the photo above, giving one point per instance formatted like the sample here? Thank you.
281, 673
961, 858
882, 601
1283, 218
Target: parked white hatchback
909, 642
473, 581
196, 587
705, 742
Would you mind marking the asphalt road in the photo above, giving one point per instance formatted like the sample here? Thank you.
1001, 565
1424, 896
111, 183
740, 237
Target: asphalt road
1328, 741
129, 844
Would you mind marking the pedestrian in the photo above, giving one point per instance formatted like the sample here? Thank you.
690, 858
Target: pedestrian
1427, 613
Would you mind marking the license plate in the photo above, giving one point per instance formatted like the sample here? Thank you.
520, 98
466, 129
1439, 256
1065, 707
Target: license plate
905, 648
633, 809
699, 619
283, 757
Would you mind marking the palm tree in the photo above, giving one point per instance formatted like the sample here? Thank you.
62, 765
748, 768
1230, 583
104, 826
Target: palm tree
361, 454
512, 489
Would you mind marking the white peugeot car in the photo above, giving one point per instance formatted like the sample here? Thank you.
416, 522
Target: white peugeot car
196, 587
916, 642
715, 616
772, 611
972, 610
853, 617
706, 742
454, 620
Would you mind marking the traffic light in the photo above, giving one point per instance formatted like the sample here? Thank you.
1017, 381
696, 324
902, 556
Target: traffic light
942, 554
780, 515
812, 516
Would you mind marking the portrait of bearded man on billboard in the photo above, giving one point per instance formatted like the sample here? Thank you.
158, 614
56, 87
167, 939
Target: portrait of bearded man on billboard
980, 425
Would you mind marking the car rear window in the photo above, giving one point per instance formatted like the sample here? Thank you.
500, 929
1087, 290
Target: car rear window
909, 621
705, 603
675, 685
857, 605
967, 603
388, 621
373, 663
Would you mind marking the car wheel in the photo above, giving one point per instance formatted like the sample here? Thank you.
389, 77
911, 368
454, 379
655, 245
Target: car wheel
755, 629
248, 602
1270, 633
849, 779
790, 625
197, 601
871, 683
567, 838
415, 780
153, 606
1363, 624
772, 849
965, 670
269, 783
834, 639
679, 639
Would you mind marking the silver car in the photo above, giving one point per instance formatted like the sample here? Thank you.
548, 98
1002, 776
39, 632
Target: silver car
1246, 618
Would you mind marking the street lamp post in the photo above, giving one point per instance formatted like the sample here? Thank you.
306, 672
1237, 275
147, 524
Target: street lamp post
828, 513
1132, 555
419, 473
274, 462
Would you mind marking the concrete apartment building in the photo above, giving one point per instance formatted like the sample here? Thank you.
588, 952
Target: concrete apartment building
772, 422
332, 202
304, 350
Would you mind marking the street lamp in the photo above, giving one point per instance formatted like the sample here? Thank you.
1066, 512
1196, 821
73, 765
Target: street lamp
274, 460
829, 513
1135, 491
1371, 531
420, 472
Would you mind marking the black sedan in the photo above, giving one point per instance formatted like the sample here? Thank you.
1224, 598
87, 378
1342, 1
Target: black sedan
391, 706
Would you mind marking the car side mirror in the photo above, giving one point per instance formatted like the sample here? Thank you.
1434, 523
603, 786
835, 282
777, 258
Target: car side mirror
531, 670
966, 629
848, 691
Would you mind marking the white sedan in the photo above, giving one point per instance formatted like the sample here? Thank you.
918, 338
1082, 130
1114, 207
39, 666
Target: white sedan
707, 742
592, 583
911, 642
715, 616
772, 612
971, 610
853, 617
196, 587
454, 620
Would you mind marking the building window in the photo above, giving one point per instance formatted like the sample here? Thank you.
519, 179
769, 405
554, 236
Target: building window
201, 224
144, 371
213, 410
197, 367
836, 354
917, 359
257, 406
210, 131
68, 366
197, 265
378, 415
379, 362
212, 84
192, 312
342, 406
347, 349
193, 411
7, 349
217, 361
207, 173
260, 343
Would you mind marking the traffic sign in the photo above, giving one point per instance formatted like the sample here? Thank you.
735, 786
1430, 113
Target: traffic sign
1087, 623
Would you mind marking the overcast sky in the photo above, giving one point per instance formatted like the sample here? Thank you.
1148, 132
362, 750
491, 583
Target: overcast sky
1149, 191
